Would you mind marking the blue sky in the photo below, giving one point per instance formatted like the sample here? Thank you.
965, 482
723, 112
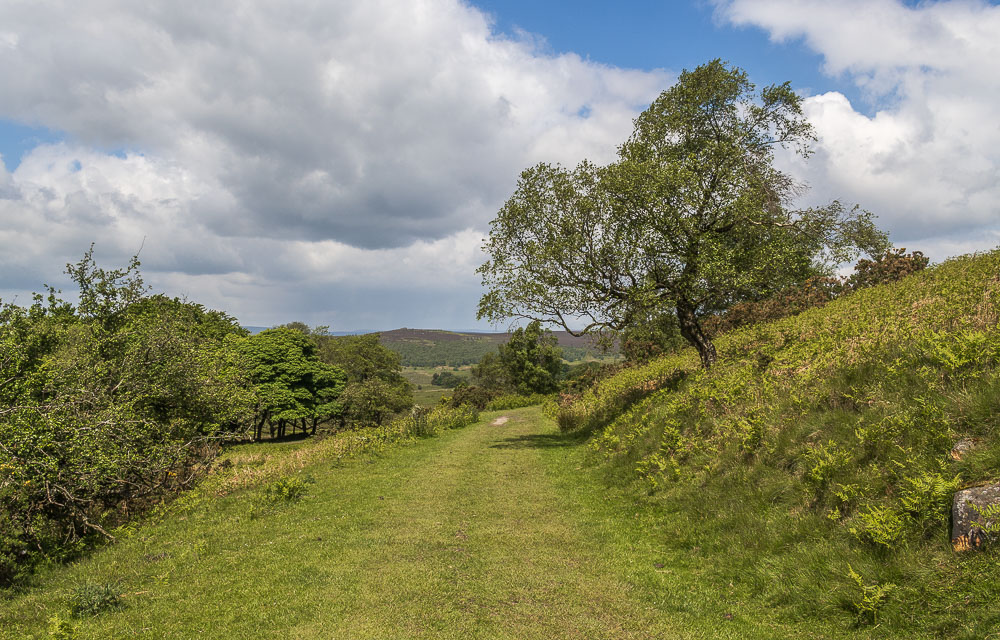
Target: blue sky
339, 162
668, 35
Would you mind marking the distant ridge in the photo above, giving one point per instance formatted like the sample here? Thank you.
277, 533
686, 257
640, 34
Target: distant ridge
565, 338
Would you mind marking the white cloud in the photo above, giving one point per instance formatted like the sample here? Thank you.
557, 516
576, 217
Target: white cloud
928, 160
262, 141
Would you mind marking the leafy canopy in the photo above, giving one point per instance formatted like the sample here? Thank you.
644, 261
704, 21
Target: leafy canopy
531, 359
690, 219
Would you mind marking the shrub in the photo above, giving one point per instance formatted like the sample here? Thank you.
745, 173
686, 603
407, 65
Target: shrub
93, 599
515, 401
287, 489
474, 396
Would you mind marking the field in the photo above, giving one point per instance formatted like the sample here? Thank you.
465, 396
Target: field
427, 395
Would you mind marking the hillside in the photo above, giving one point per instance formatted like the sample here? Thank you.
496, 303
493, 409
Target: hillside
434, 347
813, 466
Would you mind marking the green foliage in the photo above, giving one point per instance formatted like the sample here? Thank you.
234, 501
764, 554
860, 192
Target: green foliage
491, 374
293, 386
473, 396
531, 359
93, 599
60, 629
106, 407
515, 401
687, 222
361, 357
817, 291
893, 265
869, 598
880, 526
651, 334
926, 498
287, 489
823, 462
826, 434
446, 379
374, 400
989, 518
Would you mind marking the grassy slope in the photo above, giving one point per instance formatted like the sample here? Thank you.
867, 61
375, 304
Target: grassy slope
820, 445
487, 532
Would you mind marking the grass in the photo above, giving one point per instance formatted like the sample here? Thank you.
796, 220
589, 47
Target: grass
493, 531
814, 457
429, 395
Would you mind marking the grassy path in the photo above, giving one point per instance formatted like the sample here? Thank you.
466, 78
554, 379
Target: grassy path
493, 531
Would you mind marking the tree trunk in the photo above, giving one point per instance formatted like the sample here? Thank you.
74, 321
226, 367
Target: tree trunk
692, 332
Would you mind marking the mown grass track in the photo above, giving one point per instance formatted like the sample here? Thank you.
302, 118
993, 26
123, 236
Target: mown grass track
493, 531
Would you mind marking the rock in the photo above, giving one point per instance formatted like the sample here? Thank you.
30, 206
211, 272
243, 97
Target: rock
967, 523
962, 447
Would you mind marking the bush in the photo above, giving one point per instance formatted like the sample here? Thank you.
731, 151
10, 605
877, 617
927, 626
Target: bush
515, 401
473, 396
92, 599
287, 489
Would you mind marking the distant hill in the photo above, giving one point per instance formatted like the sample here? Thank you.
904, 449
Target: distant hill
435, 347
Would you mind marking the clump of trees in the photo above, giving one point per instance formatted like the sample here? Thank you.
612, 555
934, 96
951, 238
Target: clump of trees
294, 388
692, 218
529, 363
109, 404
375, 388
446, 379
105, 405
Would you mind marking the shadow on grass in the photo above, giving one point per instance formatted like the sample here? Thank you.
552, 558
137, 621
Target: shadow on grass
542, 441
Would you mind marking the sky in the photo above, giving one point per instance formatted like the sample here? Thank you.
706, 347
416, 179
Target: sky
338, 162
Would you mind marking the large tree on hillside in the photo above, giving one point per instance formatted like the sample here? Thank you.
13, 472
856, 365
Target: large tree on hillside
692, 218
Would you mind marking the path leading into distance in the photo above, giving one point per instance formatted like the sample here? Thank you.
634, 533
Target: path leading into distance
497, 530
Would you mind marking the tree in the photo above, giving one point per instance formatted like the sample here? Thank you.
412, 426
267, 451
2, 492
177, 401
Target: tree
105, 406
373, 400
376, 387
361, 357
489, 373
446, 379
531, 359
293, 386
691, 218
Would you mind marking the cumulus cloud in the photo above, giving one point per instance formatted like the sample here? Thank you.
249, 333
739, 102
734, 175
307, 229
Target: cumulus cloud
925, 155
251, 141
